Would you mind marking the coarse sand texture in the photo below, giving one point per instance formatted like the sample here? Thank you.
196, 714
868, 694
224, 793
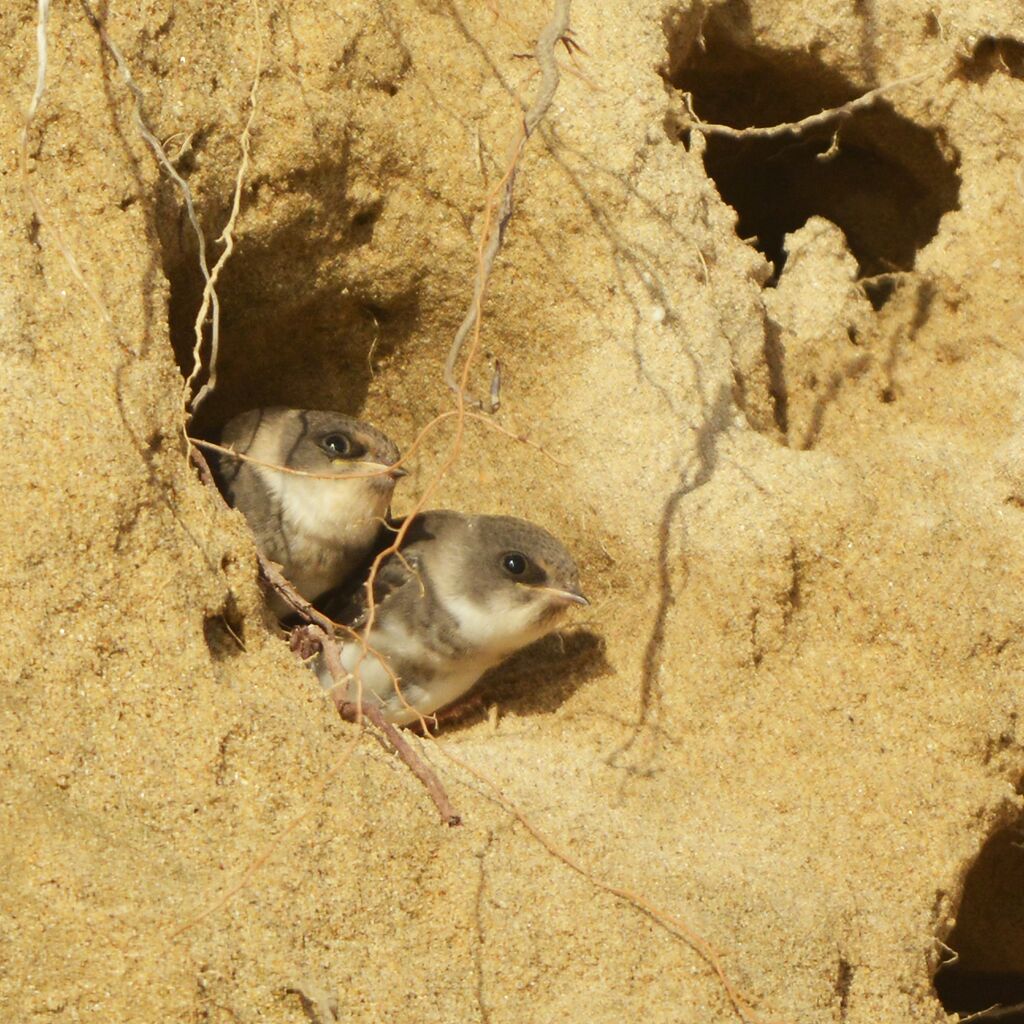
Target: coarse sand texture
773, 387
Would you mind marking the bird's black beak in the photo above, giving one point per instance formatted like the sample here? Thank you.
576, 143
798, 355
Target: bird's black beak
567, 596
396, 472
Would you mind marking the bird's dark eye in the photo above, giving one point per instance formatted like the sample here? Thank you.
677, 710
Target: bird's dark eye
339, 446
514, 563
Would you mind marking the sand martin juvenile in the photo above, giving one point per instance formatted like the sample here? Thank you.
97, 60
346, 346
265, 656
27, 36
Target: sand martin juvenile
318, 529
465, 593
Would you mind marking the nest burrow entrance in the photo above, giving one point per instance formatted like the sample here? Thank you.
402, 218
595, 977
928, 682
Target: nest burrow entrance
295, 328
882, 178
985, 970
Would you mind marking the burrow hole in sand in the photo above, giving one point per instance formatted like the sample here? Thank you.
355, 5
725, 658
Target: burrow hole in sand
294, 329
988, 939
886, 183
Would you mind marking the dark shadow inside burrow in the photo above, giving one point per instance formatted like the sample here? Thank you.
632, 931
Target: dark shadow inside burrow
985, 970
882, 178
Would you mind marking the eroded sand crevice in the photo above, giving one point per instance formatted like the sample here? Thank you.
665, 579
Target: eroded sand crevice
992, 55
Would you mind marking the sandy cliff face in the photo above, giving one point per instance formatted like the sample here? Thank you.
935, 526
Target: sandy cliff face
791, 471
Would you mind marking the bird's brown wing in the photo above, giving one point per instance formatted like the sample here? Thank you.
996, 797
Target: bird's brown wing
349, 604
244, 488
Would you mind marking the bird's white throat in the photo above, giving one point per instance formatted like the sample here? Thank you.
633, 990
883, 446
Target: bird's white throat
497, 626
328, 512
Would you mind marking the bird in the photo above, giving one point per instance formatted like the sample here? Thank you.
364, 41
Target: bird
461, 593
318, 528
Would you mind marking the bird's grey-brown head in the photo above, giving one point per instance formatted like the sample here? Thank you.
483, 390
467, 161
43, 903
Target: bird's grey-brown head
318, 522
502, 576
314, 441
317, 441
